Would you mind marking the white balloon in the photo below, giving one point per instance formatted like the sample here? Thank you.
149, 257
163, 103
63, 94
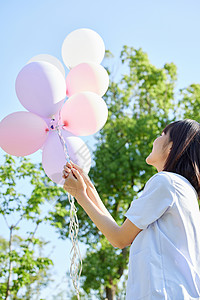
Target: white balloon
51, 59
82, 45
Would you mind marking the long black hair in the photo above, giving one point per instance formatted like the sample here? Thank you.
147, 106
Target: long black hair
184, 157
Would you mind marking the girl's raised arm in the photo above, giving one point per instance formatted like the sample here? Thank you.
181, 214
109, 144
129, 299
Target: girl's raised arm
118, 236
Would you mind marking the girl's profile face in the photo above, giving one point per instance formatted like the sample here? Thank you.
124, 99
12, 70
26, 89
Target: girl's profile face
160, 151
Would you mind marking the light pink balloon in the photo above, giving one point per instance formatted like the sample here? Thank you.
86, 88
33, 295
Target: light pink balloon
87, 77
84, 113
41, 88
22, 133
53, 157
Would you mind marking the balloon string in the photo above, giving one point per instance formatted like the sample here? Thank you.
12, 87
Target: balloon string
63, 143
76, 260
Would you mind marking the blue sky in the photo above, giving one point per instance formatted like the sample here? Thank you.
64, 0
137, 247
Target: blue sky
167, 30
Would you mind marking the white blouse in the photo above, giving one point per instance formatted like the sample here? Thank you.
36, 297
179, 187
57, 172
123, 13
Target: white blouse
164, 261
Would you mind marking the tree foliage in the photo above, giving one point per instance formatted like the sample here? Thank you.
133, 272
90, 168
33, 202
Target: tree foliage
141, 102
24, 270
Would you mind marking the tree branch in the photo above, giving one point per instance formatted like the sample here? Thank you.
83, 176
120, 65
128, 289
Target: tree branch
10, 264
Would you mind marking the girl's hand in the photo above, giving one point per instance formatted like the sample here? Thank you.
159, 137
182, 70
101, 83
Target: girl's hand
90, 187
83, 174
91, 190
74, 183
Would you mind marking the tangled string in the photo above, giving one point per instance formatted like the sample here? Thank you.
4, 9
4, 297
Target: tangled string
76, 260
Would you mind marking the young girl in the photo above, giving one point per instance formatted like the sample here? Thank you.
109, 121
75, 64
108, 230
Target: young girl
163, 224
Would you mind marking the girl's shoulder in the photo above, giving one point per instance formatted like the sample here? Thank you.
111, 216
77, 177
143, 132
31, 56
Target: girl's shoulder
170, 179
162, 177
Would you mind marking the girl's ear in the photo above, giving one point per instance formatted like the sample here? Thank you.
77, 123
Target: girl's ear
170, 145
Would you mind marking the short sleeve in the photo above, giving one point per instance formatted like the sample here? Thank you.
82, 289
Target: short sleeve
157, 197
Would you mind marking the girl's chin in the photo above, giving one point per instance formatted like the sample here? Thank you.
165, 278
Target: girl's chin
149, 159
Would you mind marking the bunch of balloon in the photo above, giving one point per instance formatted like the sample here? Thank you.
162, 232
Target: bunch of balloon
54, 122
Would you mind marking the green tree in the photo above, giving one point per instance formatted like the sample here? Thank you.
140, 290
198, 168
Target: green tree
141, 102
189, 102
24, 271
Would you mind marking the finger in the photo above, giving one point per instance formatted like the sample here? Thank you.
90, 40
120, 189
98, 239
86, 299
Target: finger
78, 175
65, 176
84, 175
69, 164
76, 166
66, 173
67, 169
74, 173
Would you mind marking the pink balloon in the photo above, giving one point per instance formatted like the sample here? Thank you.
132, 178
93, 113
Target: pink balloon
53, 156
22, 133
84, 113
41, 88
87, 77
